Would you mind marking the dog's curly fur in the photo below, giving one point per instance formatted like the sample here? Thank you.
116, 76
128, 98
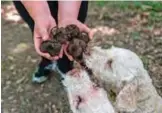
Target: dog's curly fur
124, 73
83, 96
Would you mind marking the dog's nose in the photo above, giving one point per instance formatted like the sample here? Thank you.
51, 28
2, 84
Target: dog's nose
87, 52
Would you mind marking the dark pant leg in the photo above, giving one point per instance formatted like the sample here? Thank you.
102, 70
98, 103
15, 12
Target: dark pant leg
83, 11
24, 14
64, 64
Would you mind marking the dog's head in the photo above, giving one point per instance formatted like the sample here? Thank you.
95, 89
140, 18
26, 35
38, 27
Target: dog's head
114, 64
123, 69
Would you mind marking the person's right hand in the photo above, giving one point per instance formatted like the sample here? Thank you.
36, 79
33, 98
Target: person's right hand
42, 28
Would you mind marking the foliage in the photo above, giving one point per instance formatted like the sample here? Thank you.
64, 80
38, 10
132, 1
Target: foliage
141, 5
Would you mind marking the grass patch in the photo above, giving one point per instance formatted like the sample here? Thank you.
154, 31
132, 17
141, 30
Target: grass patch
155, 17
5, 2
145, 61
140, 5
153, 7
135, 35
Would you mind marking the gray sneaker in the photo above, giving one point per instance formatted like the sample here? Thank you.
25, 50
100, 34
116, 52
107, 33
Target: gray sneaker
41, 73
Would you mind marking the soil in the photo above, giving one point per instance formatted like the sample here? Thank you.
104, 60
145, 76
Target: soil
129, 28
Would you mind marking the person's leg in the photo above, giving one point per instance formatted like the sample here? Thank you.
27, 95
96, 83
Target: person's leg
64, 64
26, 17
83, 11
24, 14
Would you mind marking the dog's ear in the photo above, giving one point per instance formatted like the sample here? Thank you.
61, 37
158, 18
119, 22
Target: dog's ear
126, 99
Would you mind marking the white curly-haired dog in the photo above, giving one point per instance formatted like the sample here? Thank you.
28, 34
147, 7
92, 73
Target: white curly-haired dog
84, 96
123, 72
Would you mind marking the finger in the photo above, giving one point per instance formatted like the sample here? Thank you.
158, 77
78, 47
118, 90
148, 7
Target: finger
66, 53
44, 34
61, 51
37, 42
60, 54
45, 55
36, 34
91, 34
85, 28
55, 58
88, 30
53, 26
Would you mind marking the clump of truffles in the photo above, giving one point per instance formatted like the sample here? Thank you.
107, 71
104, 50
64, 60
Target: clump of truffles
72, 31
53, 48
77, 45
76, 48
60, 35
77, 41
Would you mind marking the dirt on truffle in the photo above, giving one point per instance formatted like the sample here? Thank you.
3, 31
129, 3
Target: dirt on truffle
77, 41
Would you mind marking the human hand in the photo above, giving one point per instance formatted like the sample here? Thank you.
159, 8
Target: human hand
42, 29
81, 26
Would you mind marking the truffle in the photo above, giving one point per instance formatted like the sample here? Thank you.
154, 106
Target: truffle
51, 47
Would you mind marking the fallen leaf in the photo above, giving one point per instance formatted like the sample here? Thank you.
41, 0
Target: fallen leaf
157, 32
106, 30
20, 48
20, 80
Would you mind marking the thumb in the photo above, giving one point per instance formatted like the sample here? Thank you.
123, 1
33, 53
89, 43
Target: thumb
85, 28
44, 35
88, 30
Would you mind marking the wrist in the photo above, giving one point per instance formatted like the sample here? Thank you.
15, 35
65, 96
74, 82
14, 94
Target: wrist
68, 9
62, 22
37, 9
67, 17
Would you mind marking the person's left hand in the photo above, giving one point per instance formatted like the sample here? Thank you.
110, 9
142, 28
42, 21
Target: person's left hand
81, 26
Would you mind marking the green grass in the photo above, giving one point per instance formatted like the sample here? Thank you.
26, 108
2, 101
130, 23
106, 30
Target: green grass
135, 35
140, 5
5, 2
145, 61
153, 7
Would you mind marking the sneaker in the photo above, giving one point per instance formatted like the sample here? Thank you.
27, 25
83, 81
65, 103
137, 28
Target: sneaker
55, 68
41, 73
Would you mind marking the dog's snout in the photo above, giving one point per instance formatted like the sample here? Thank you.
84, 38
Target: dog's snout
87, 52
79, 100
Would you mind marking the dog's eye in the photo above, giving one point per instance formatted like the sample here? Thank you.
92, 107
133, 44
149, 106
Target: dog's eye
109, 63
